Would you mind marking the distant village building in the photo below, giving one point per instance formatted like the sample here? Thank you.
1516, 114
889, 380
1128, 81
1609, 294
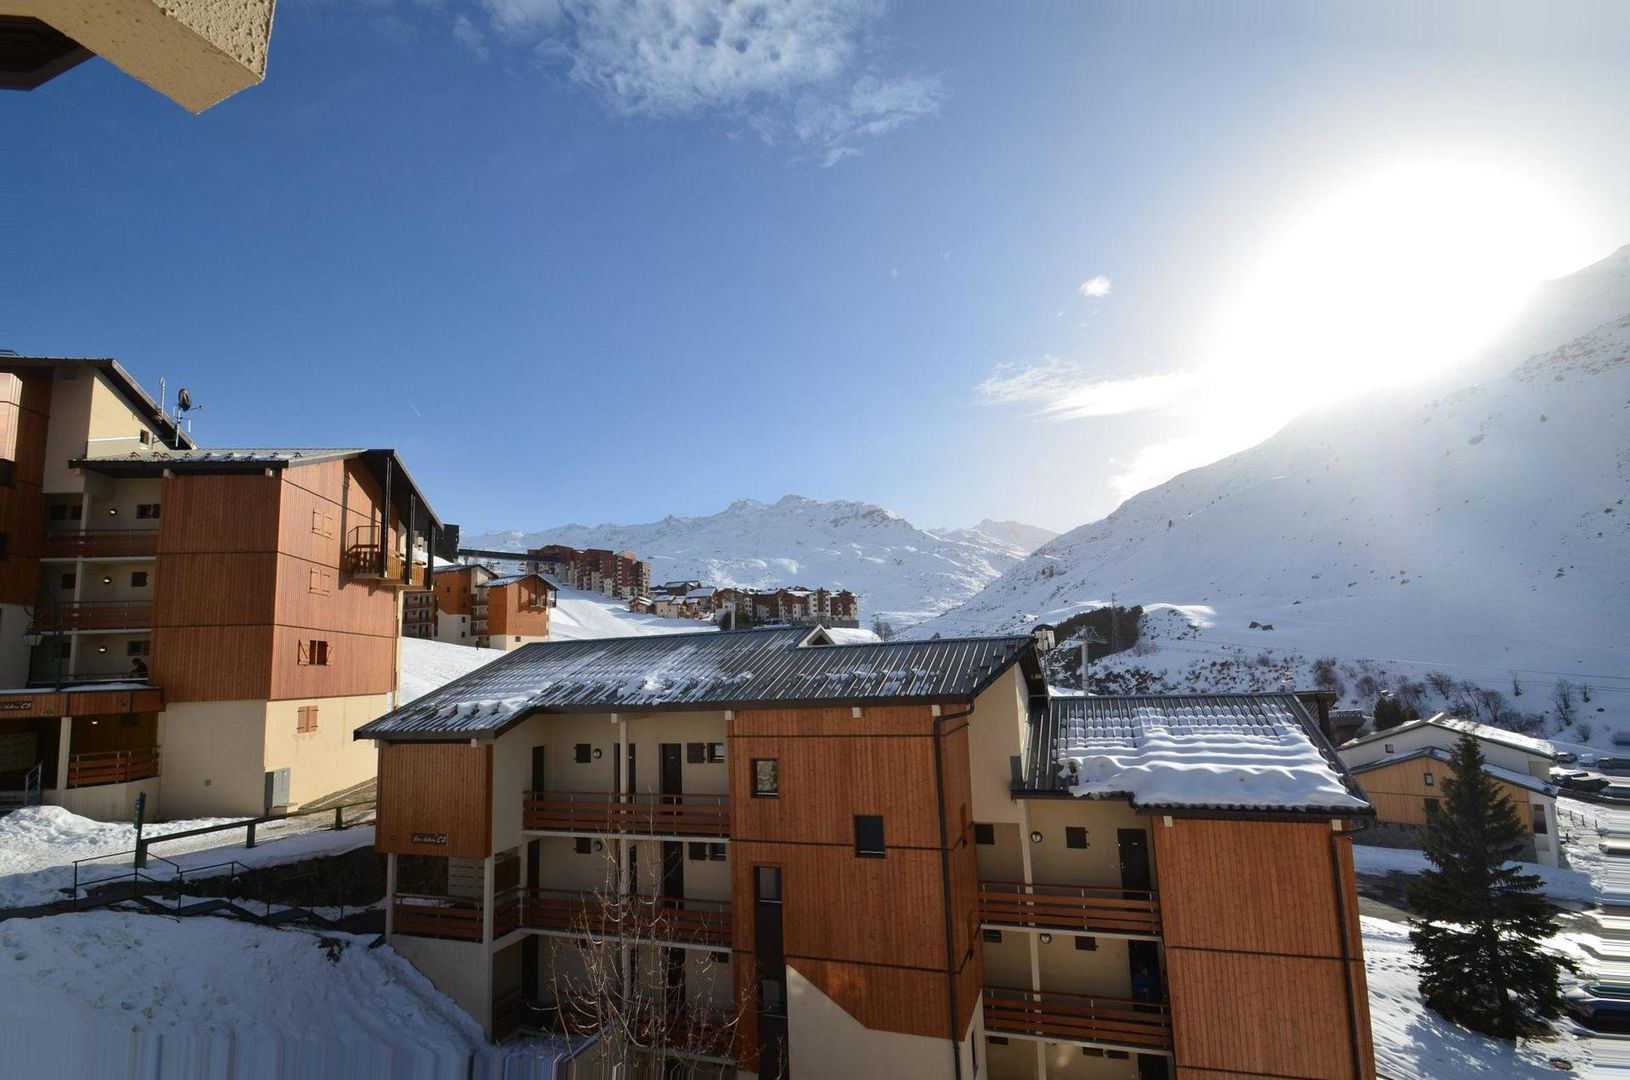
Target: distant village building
472, 605
796, 606
619, 574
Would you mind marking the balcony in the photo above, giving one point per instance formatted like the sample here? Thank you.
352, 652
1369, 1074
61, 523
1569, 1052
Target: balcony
680, 920
1078, 1018
1085, 908
639, 814
96, 615
363, 561
101, 544
451, 917
111, 767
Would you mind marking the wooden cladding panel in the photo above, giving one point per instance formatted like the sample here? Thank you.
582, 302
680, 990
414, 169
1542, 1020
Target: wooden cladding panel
309, 520
510, 610
826, 781
25, 405
105, 702
889, 720
1271, 1016
213, 663
357, 664
218, 513
435, 790
1249, 885
886, 998
319, 596
1399, 791
215, 589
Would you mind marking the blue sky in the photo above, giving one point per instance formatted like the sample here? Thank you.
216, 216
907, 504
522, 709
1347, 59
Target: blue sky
585, 261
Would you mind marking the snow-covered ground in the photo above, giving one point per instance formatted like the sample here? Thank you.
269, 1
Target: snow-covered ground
39, 844
589, 615
92, 993
1412, 1041
1572, 885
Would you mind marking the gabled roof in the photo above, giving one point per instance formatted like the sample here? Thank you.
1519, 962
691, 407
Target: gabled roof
169, 430
510, 579
702, 672
1522, 780
1187, 752
1456, 726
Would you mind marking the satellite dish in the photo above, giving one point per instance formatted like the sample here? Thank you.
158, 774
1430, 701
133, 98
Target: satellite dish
183, 400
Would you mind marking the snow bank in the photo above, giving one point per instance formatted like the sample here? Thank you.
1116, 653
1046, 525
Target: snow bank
1556, 882
430, 665
1413, 1041
578, 615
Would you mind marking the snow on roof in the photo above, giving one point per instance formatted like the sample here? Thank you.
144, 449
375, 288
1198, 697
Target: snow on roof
510, 579
1486, 732
1219, 752
1510, 776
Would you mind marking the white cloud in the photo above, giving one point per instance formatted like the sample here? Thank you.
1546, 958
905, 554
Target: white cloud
795, 72
1095, 287
1069, 390
468, 35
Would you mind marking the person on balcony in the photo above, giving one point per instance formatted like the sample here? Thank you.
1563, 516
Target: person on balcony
138, 670
1146, 985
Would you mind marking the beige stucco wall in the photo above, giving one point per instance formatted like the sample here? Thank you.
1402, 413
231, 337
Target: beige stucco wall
824, 1040
649, 732
71, 394
460, 969
1055, 863
90, 659
194, 52
112, 503
1007, 962
996, 732
509, 642
1104, 971
329, 759
1015, 1061
214, 755
110, 802
1003, 860
1071, 1063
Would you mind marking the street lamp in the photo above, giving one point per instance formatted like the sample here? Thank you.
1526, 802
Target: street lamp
33, 635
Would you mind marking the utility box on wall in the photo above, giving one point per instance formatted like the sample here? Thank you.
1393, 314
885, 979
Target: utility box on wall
277, 790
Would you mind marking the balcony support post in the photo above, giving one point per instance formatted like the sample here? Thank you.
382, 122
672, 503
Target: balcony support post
64, 751
390, 894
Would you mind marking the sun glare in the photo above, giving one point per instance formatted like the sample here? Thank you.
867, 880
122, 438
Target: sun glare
1396, 278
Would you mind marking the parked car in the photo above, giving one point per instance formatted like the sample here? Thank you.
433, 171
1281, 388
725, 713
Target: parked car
1599, 1006
1579, 781
1613, 764
1566, 757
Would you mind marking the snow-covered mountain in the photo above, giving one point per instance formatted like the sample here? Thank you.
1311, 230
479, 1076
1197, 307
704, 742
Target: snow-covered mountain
900, 572
1481, 532
1015, 534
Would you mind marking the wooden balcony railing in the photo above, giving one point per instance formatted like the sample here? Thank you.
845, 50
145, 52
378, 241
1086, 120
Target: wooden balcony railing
451, 917
1069, 907
362, 561
101, 543
653, 815
111, 767
1135, 1025
685, 920
96, 615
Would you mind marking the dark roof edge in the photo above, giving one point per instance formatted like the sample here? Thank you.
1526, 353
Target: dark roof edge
1284, 813
1432, 721
1315, 734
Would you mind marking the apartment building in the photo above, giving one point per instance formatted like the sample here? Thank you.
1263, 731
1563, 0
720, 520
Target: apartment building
419, 613
621, 575
207, 627
460, 597
795, 606
879, 860
1402, 769
518, 607
193, 53
471, 604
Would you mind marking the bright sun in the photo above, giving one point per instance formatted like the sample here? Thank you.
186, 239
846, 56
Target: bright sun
1396, 278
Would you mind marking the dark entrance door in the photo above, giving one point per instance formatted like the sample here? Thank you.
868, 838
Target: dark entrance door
1153, 1067
1134, 844
672, 776
538, 774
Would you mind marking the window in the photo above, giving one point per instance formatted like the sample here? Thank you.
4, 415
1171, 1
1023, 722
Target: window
313, 653
583, 846
1117, 1055
869, 836
5, 546
322, 524
993, 936
707, 852
137, 648
996, 1040
1431, 810
1075, 836
67, 512
719, 957
1086, 944
66, 581
715, 753
8, 472
1092, 1051
1431, 780
1540, 828
145, 437
582, 753
305, 720
695, 753
984, 834
772, 997
147, 510
138, 579
767, 884
319, 582
766, 777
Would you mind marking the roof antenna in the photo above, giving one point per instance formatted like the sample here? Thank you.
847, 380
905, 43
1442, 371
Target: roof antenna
183, 404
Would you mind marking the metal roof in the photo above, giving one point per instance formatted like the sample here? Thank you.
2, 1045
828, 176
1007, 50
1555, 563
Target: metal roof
1251, 736
1443, 721
1438, 754
510, 579
701, 671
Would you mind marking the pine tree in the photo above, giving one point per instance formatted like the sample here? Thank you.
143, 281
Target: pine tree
1479, 918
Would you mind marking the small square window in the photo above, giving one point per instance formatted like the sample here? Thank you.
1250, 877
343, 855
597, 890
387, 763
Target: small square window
695, 753
772, 997
582, 753
137, 648
66, 581
582, 845
992, 936
1431, 781
8, 472
1117, 1055
715, 753
706, 851
1086, 944
1387, 747
984, 834
719, 957
767, 884
869, 836
766, 778
138, 579
147, 510
305, 721
1075, 836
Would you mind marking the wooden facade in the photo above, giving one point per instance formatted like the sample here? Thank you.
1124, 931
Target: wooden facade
1401, 792
518, 609
25, 416
1264, 958
435, 799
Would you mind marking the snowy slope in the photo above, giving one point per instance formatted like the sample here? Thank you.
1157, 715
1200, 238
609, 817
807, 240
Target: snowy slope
1478, 532
901, 572
1014, 534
